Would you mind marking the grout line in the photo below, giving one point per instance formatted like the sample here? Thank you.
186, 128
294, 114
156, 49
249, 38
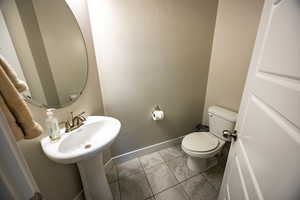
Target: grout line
115, 181
165, 162
147, 179
118, 179
119, 186
210, 183
178, 182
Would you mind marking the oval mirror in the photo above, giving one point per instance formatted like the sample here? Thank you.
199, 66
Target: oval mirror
42, 41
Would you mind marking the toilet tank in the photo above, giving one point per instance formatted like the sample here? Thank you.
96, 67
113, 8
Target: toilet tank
220, 119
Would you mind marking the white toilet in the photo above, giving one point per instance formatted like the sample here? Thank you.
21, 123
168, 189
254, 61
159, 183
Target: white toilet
201, 146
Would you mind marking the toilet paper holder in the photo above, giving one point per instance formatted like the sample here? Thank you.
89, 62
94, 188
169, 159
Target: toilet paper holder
156, 107
157, 114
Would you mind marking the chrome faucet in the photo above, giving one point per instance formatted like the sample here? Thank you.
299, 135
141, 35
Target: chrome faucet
76, 122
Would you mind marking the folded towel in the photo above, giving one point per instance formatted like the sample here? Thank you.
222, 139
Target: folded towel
19, 84
16, 130
13, 105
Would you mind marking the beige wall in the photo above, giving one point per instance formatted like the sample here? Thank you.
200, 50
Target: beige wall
153, 52
235, 32
58, 181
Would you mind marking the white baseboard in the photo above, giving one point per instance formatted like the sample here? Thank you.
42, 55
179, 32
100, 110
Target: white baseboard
79, 196
108, 165
143, 151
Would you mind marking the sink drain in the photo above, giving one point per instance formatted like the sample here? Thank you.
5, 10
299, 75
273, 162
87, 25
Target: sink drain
87, 146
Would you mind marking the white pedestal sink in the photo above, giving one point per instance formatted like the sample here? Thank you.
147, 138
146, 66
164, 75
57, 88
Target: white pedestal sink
84, 147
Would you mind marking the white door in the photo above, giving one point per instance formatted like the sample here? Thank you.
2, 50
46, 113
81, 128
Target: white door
16, 180
264, 162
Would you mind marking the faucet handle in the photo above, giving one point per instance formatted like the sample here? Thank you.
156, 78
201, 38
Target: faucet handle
72, 115
82, 117
67, 126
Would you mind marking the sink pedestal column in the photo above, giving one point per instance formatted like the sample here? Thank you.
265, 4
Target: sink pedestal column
93, 178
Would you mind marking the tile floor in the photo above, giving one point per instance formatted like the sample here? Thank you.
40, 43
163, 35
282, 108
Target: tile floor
163, 175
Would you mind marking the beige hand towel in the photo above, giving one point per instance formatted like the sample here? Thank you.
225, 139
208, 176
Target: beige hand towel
14, 106
19, 84
17, 131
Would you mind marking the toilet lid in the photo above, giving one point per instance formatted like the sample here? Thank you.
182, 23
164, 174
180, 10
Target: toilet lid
200, 141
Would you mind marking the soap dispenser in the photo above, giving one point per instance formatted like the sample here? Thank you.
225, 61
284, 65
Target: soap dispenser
52, 126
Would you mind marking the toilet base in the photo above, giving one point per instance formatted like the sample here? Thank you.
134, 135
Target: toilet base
201, 164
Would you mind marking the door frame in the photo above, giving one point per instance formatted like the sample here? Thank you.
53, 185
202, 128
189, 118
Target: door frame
255, 59
14, 171
260, 35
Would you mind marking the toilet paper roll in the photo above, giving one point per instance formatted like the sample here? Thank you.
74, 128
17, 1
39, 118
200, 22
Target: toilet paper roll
158, 115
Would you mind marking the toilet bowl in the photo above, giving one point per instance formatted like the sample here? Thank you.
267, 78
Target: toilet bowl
202, 147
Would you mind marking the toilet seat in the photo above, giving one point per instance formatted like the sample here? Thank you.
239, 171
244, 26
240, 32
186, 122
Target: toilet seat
201, 147
200, 142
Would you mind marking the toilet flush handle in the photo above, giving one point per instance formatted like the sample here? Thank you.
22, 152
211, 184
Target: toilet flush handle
230, 134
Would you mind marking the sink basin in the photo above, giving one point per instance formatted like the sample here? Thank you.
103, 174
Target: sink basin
84, 146
93, 137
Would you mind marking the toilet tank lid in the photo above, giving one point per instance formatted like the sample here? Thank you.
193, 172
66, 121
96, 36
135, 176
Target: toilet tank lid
224, 113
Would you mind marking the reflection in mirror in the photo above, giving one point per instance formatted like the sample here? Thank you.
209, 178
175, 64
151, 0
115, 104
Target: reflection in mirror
43, 43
